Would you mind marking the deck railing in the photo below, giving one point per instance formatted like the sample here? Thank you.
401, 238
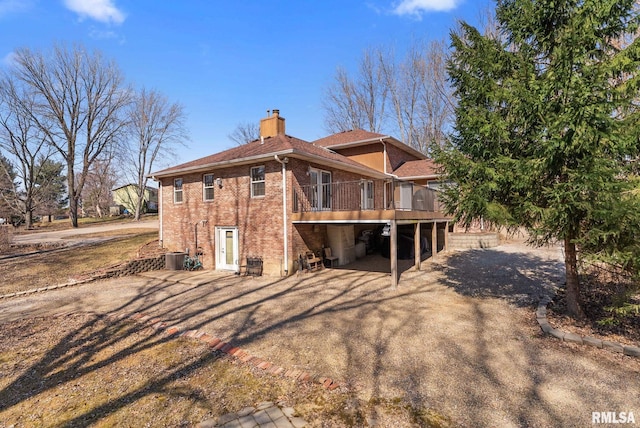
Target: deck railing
365, 195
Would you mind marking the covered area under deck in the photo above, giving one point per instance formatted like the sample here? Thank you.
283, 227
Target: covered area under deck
404, 212
393, 232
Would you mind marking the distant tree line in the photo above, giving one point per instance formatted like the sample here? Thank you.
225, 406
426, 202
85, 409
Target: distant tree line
67, 115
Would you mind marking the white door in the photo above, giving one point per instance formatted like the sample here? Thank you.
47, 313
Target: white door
227, 248
320, 190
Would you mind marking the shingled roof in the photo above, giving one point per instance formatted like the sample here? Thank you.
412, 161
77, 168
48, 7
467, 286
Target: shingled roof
347, 137
257, 150
423, 168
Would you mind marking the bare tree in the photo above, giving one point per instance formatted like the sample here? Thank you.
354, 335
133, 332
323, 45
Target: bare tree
420, 97
409, 97
245, 133
98, 182
157, 127
26, 143
79, 101
357, 103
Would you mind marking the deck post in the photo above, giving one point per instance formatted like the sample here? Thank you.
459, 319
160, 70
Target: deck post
446, 236
434, 239
416, 245
393, 254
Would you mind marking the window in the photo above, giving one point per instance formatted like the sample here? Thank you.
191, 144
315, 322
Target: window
177, 191
207, 187
257, 181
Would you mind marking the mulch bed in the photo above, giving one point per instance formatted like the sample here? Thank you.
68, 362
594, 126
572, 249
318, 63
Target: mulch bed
599, 292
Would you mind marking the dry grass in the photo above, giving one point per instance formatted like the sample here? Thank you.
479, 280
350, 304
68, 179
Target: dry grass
56, 267
103, 373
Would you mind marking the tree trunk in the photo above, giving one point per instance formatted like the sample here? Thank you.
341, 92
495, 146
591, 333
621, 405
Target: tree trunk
573, 281
28, 219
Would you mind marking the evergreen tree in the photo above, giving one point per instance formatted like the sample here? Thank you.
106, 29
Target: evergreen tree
51, 187
8, 189
544, 121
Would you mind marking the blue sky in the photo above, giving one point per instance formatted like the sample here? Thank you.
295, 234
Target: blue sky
229, 62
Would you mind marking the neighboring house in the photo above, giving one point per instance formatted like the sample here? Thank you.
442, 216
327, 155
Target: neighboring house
279, 196
126, 196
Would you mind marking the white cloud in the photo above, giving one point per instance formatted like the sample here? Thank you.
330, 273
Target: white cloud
417, 7
100, 10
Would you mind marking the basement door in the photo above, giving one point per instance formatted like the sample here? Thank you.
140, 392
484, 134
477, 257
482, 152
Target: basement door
227, 248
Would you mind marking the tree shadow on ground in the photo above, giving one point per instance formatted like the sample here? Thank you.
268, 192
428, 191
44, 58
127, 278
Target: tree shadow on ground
381, 343
522, 278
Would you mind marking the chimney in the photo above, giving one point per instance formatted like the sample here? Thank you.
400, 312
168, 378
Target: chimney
272, 125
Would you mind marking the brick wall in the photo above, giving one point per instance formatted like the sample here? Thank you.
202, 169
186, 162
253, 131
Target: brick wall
473, 240
259, 219
395, 157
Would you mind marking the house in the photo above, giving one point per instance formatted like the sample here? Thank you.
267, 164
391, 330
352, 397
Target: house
280, 196
127, 196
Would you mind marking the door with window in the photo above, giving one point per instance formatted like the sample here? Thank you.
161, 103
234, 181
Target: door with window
366, 194
227, 248
320, 190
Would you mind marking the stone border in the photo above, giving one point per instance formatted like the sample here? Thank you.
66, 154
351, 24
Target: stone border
237, 355
541, 317
132, 267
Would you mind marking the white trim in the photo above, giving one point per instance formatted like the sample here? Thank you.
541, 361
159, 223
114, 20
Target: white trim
181, 191
219, 237
205, 187
263, 181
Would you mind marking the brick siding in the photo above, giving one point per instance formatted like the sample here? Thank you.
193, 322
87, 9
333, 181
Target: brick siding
259, 220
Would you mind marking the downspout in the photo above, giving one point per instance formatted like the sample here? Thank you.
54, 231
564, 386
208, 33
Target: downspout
159, 211
384, 155
284, 162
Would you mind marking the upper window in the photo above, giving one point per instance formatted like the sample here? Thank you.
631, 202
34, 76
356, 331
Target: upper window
257, 181
177, 190
207, 187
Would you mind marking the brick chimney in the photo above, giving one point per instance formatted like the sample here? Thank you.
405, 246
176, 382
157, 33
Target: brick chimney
272, 125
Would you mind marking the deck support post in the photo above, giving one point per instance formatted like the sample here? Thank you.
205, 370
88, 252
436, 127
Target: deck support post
434, 239
446, 236
416, 245
393, 254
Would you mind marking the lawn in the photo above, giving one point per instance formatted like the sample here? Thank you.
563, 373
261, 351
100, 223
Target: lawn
60, 266
91, 371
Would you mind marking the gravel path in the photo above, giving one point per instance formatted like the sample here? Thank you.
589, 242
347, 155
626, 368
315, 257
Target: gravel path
459, 337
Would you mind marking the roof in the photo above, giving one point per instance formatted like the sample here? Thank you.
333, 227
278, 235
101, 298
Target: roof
349, 137
254, 151
150, 188
423, 168
359, 137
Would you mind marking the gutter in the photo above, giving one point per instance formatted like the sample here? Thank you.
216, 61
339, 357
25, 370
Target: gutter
284, 162
289, 152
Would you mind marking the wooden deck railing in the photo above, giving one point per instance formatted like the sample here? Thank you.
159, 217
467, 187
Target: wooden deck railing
365, 195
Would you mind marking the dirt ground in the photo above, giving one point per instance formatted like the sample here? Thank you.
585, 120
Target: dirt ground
460, 336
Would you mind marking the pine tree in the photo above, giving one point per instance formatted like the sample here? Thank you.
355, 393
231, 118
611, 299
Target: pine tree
545, 119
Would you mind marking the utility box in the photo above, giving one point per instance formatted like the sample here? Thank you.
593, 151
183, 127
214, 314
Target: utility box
174, 261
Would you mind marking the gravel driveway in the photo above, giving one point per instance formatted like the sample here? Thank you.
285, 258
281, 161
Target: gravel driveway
459, 337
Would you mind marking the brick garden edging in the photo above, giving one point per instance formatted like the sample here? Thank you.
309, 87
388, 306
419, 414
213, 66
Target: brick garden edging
132, 267
541, 317
237, 355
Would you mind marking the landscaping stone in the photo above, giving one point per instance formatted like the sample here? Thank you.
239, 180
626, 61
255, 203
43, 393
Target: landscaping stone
633, 351
573, 338
545, 326
611, 346
592, 341
557, 333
